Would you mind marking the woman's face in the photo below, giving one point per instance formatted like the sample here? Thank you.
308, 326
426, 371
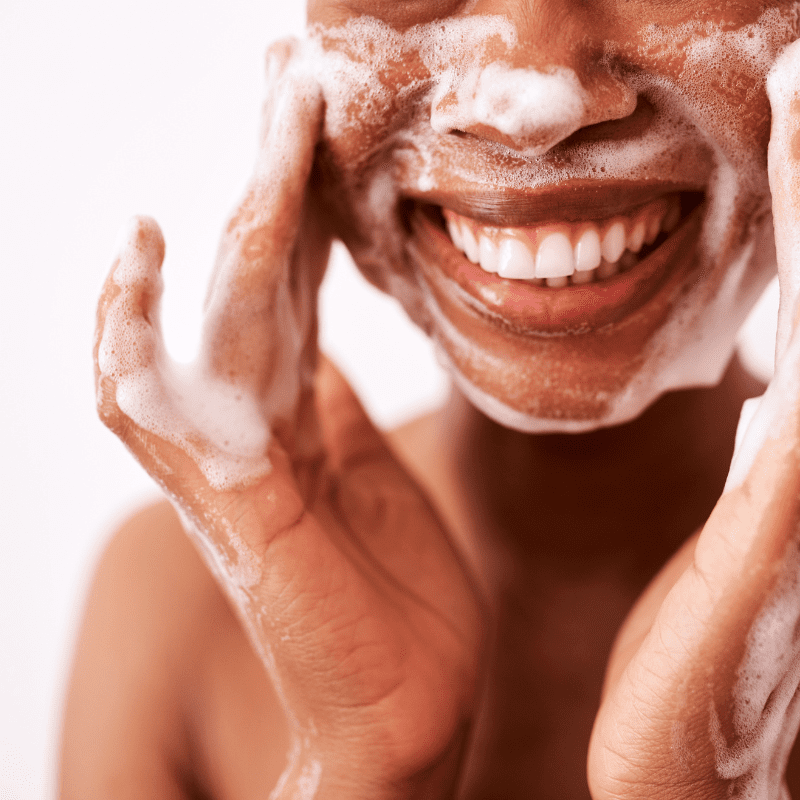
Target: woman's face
570, 197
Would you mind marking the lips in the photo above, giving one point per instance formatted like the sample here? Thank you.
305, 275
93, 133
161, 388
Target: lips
512, 293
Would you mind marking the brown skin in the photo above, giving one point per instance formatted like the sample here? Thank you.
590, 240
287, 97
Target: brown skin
377, 563
161, 638
473, 176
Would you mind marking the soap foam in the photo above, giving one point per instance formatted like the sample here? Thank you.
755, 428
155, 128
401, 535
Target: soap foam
766, 709
222, 422
783, 86
459, 89
520, 103
215, 423
769, 417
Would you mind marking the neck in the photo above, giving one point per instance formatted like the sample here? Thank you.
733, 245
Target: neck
565, 532
568, 530
566, 501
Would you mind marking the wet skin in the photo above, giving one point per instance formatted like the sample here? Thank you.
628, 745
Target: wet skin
408, 660
633, 64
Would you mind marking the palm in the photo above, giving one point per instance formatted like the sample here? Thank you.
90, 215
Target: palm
703, 691
337, 565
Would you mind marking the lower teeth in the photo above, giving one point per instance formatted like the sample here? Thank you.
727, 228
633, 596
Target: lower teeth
606, 270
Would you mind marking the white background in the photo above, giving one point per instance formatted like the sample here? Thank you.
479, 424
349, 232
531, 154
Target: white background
109, 109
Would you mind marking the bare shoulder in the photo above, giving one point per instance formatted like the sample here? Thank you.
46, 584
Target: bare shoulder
164, 682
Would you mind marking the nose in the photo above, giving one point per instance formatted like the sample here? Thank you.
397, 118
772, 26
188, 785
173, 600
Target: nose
549, 79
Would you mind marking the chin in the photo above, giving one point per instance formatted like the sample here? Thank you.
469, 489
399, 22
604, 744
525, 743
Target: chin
576, 358
677, 271
669, 270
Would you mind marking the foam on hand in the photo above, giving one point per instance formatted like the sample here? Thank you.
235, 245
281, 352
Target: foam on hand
765, 712
783, 87
217, 424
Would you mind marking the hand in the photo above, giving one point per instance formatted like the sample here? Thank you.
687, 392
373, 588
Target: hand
701, 697
344, 579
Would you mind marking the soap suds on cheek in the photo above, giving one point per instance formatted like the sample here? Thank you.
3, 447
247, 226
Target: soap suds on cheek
695, 346
723, 74
350, 63
696, 133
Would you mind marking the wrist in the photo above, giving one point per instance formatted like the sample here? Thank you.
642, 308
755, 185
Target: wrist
352, 771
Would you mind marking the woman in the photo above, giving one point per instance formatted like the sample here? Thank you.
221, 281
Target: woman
573, 200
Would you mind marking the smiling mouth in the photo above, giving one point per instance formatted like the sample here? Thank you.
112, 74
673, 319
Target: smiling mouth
553, 277
558, 255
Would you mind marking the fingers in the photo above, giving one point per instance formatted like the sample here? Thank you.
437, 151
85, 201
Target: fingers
259, 316
348, 433
129, 353
183, 428
397, 527
127, 338
783, 88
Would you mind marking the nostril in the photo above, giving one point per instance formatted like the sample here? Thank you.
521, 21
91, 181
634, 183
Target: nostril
532, 111
632, 126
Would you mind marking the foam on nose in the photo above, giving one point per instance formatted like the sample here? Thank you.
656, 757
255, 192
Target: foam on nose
533, 109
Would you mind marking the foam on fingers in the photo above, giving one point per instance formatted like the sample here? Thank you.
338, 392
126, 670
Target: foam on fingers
141, 250
130, 298
783, 89
261, 308
217, 425
219, 410
770, 418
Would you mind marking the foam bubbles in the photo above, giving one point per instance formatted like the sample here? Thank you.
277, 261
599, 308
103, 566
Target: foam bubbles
455, 76
215, 423
783, 86
765, 712
540, 109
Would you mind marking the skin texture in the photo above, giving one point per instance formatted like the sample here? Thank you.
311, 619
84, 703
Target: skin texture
432, 616
635, 65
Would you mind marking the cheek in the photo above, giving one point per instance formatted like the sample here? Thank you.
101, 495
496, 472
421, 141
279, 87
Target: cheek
370, 81
714, 74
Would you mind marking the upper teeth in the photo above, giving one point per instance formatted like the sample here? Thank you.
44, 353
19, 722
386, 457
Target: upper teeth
562, 253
